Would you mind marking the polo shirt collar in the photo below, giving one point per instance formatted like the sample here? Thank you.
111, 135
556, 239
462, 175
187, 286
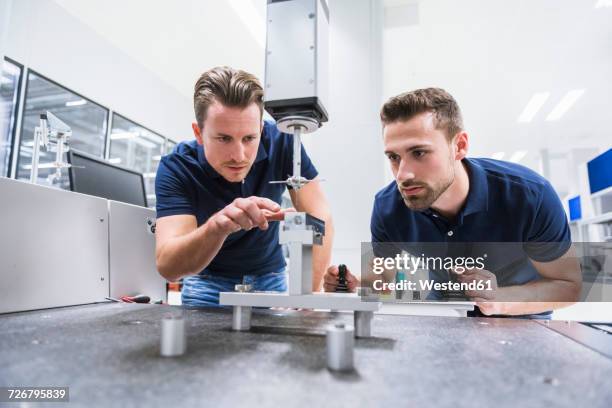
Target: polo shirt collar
211, 172
261, 152
478, 194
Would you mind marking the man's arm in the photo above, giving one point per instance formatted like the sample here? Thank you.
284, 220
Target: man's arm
183, 248
559, 286
311, 199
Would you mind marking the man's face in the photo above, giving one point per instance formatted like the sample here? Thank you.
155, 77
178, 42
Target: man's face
230, 137
421, 158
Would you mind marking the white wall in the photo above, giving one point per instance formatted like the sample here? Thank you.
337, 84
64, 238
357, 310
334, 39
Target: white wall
45, 37
348, 150
179, 40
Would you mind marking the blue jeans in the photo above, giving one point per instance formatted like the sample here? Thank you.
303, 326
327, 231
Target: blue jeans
203, 290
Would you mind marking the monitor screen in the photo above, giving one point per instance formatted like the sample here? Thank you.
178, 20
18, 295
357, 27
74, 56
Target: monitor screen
600, 172
95, 176
575, 209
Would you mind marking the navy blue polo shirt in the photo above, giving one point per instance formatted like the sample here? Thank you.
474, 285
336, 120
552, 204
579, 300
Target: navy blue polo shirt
511, 213
187, 184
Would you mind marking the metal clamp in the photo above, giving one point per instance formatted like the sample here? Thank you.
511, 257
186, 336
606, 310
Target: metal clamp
243, 288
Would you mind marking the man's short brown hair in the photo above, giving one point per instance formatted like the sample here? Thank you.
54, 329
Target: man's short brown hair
228, 86
405, 106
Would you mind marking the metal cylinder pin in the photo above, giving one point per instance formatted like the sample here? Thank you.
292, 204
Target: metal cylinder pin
241, 316
173, 339
340, 344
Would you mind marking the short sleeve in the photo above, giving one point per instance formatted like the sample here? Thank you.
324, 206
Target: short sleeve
172, 196
549, 237
307, 168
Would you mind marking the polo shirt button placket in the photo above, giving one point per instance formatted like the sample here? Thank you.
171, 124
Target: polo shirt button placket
450, 233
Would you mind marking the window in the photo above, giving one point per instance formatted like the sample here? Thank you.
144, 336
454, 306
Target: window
9, 97
87, 119
137, 148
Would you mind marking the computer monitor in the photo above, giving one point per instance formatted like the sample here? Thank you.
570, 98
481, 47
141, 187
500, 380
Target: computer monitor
95, 176
575, 209
600, 172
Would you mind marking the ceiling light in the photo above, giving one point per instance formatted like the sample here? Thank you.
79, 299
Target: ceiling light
518, 156
252, 19
114, 160
78, 102
603, 3
564, 104
533, 106
498, 155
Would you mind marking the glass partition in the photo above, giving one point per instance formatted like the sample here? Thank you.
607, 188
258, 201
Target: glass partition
87, 119
137, 148
9, 105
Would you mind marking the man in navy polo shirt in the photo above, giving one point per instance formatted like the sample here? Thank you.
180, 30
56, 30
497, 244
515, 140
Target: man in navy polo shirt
217, 213
440, 195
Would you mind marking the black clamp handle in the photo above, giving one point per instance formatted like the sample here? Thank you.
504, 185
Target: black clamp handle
342, 285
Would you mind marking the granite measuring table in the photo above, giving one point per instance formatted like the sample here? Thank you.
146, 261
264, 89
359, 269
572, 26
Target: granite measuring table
108, 354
